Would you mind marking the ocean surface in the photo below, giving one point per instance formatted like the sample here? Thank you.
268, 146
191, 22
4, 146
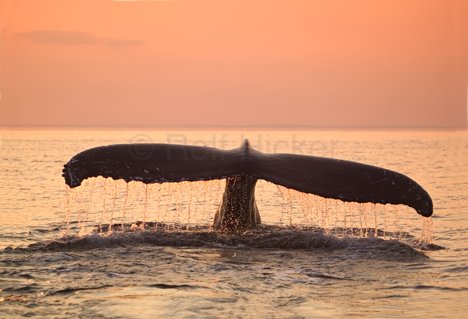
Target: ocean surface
109, 249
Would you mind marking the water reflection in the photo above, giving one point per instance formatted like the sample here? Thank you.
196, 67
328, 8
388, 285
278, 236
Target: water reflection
140, 280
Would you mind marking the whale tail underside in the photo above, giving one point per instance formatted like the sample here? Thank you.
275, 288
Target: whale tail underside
325, 177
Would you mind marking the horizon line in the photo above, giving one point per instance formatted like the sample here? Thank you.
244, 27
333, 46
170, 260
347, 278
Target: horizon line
236, 127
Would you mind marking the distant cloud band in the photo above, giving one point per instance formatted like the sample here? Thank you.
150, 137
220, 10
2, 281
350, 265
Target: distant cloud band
75, 38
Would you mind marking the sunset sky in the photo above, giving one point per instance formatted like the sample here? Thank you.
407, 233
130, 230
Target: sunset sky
238, 63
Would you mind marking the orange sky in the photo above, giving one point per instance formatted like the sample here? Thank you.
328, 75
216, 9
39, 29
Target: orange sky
241, 62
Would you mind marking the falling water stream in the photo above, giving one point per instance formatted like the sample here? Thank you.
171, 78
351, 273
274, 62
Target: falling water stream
171, 207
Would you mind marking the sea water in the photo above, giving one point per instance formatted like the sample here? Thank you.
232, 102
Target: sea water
62, 253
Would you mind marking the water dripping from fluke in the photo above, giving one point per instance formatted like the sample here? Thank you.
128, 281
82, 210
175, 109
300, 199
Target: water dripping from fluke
306, 202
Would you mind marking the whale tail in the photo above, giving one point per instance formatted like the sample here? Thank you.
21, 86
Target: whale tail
326, 177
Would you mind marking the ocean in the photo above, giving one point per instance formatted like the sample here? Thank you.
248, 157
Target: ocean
109, 249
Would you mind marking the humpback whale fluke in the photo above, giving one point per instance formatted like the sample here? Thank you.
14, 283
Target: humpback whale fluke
241, 167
